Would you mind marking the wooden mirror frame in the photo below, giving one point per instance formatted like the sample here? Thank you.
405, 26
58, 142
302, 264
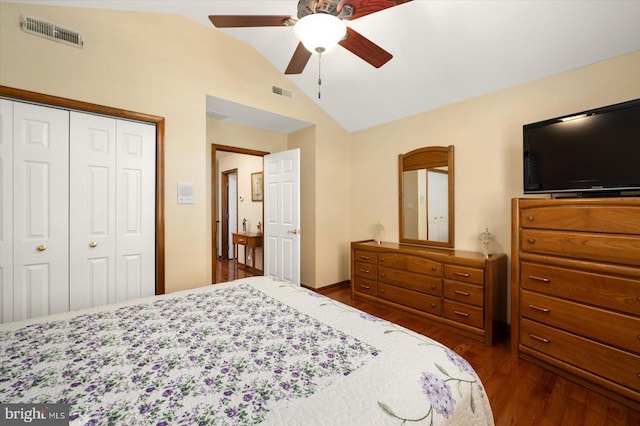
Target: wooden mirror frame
426, 158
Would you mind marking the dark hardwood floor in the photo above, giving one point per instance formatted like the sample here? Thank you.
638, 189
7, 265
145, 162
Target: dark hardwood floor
226, 271
521, 393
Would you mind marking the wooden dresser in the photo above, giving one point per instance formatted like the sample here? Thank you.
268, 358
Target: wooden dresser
575, 277
461, 290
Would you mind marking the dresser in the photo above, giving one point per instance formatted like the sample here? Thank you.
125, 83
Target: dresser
460, 290
575, 277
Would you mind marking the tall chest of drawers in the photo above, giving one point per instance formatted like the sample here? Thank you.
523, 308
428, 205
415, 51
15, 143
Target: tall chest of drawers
575, 277
462, 291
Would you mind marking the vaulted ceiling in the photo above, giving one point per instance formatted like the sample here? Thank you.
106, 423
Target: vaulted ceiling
443, 51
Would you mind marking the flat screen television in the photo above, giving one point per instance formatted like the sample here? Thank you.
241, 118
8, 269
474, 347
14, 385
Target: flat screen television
591, 153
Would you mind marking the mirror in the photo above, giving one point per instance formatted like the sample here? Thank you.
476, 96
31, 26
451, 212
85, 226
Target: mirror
426, 196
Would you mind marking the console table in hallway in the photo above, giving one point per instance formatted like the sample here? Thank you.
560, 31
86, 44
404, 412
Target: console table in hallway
250, 240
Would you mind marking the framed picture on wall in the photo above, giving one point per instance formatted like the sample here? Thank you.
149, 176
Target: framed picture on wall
256, 186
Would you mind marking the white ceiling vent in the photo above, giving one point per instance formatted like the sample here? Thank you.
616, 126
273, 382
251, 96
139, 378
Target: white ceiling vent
51, 31
280, 91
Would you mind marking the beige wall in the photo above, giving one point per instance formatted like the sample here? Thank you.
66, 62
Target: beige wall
165, 65
305, 141
487, 134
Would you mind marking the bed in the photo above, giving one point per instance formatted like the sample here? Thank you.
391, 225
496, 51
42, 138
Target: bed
249, 351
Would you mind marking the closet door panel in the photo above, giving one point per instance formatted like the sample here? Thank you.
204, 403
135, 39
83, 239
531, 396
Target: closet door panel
6, 210
92, 210
40, 210
135, 211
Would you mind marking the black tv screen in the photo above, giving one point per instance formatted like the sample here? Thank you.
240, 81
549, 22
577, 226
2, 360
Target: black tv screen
590, 152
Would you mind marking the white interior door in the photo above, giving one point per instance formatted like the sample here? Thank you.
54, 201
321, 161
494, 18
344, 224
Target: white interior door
40, 210
6, 210
92, 242
232, 204
135, 210
282, 215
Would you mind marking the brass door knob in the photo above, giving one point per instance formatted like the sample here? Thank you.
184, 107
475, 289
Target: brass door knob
93, 244
42, 247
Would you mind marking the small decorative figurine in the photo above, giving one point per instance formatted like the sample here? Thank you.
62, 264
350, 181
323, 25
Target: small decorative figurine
486, 237
244, 225
259, 226
379, 232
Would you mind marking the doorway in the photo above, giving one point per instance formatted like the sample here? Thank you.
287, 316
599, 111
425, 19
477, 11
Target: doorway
220, 238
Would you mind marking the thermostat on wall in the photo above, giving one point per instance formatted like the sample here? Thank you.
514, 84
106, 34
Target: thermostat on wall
186, 193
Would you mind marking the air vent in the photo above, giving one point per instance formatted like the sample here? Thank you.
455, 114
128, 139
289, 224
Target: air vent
280, 91
51, 31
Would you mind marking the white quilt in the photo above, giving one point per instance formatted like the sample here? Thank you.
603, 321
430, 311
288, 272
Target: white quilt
245, 352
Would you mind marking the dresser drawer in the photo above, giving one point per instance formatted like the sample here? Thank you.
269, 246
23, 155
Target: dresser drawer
411, 281
366, 270
617, 293
366, 256
363, 285
619, 330
462, 292
616, 365
587, 218
413, 299
462, 273
601, 248
463, 313
410, 263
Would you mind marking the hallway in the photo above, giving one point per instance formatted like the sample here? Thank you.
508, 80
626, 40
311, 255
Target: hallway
226, 271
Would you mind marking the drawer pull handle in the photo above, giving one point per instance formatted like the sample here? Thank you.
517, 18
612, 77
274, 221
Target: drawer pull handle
462, 314
366, 271
538, 338
365, 257
433, 286
461, 293
538, 308
541, 279
433, 305
382, 259
433, 268
531, 241
530, 218
382, 274
366, 287
382, 290
462, 274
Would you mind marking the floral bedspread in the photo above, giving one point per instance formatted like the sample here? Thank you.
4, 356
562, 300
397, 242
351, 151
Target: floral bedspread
245, 352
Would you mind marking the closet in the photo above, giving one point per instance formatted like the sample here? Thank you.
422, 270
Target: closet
77, 211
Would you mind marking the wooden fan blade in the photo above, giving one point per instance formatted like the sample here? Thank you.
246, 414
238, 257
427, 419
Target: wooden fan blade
298, 60
361, 46
366, 7
234, 21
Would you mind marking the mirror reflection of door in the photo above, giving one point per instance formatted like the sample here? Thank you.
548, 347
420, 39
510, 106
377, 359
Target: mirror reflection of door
438, 216
426, 209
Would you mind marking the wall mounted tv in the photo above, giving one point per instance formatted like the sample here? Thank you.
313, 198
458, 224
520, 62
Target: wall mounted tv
590, 153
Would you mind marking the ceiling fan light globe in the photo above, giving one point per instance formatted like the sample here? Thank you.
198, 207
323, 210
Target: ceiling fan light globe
320, 32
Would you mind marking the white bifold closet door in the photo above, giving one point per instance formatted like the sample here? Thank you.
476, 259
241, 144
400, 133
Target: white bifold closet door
77, 210
112, 226
40, 211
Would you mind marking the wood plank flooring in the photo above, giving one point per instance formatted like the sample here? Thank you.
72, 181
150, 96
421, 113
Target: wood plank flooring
521, 393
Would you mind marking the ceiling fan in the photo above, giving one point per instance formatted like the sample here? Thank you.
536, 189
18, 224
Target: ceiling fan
344, 10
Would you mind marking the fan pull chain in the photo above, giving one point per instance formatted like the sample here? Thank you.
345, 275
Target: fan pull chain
319, 50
